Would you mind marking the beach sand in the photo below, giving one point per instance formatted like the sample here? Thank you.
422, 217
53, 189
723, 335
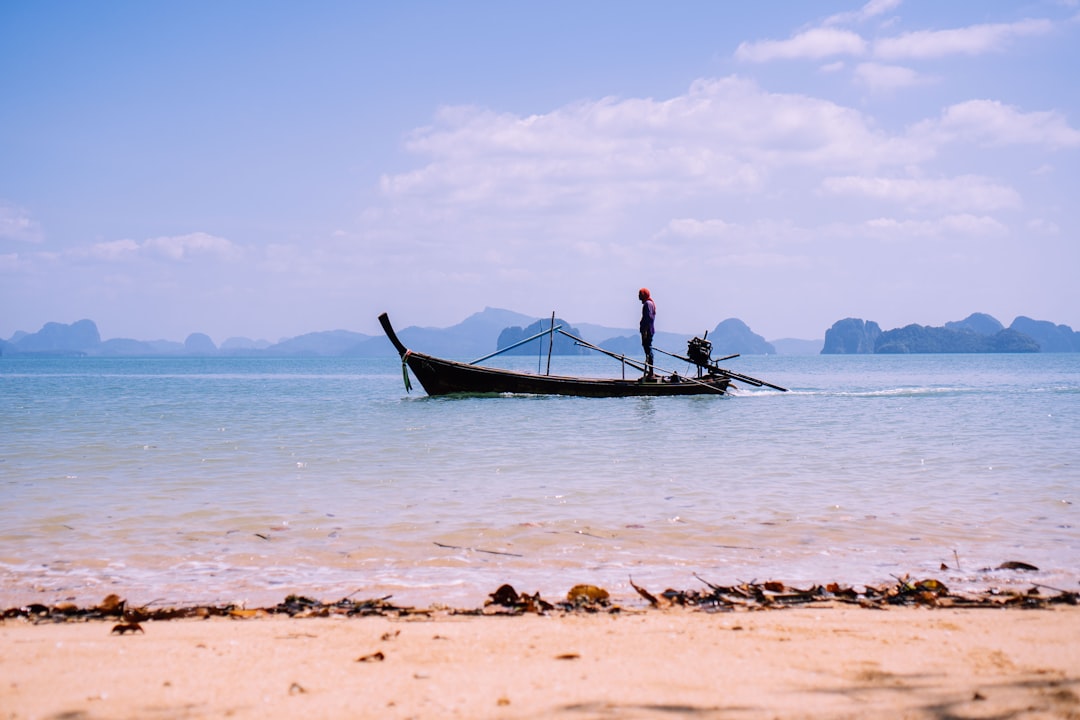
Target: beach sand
807, 662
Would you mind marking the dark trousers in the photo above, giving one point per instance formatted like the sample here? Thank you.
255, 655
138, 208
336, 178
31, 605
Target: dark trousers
646, 345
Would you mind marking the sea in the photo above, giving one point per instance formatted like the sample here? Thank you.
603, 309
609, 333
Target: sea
192, 480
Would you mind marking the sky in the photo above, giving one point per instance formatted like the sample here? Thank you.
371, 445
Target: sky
266, 169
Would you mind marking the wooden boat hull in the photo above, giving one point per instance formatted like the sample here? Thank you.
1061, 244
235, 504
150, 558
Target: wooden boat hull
448, 377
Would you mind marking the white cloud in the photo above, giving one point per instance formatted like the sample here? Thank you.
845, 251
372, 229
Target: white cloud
1043, 227
813, 44
113, 250
16, 224
720, 244
872, 9
973, 40
947, 227
175, 248
10, 262
967, 192
887, 77
989, 122
724, 136
181, 247
307, 264
691, 228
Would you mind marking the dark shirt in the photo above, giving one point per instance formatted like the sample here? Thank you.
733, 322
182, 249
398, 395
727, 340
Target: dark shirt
648, 317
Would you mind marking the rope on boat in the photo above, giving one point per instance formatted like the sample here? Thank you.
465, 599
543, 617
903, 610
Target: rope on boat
405, 370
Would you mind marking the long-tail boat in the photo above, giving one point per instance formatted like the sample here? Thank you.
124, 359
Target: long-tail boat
439, 376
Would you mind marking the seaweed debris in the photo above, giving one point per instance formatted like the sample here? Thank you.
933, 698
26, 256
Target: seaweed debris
581, 598
506, 600
905, 592
296, 606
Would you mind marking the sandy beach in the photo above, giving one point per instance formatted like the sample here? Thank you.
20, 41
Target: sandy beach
807, 662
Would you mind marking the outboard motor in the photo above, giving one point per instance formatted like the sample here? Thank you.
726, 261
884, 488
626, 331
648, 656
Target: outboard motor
699, 350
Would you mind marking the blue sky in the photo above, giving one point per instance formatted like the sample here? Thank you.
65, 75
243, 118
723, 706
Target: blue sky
266, 169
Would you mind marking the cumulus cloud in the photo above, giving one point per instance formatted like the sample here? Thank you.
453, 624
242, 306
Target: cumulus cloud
829, 41
173, 248
973, 40
691, 228
16, 224
813, 44
949, 226
872, 9
180, 247
887, 77
967, 192
989, 122
723, 136
112, 250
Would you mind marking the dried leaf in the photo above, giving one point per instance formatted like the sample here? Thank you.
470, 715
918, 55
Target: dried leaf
111, 605
645, 594
931, 585
841, 591
506, 595
373, 657
582, 594
243, 614
121, 628
534, 603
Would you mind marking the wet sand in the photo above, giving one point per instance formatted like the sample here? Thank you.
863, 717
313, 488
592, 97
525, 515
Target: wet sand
808, 662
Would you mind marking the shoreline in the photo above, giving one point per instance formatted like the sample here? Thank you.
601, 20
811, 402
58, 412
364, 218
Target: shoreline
911, 650
772, 594
824, 660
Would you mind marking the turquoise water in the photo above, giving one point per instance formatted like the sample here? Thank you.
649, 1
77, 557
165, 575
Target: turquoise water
231, 479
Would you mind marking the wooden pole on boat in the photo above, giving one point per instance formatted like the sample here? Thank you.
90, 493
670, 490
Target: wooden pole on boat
727, 373
634, 363
585, 343
500, 351
551, 342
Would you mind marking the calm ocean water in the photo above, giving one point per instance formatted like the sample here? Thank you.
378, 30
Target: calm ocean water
191, 480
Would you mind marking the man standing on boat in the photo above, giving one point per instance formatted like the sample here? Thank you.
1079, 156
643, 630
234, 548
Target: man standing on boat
647, 327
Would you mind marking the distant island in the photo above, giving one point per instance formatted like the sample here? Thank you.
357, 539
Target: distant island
977, 333
492, 329
480, 334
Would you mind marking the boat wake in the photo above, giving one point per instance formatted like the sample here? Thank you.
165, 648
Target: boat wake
874, 393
